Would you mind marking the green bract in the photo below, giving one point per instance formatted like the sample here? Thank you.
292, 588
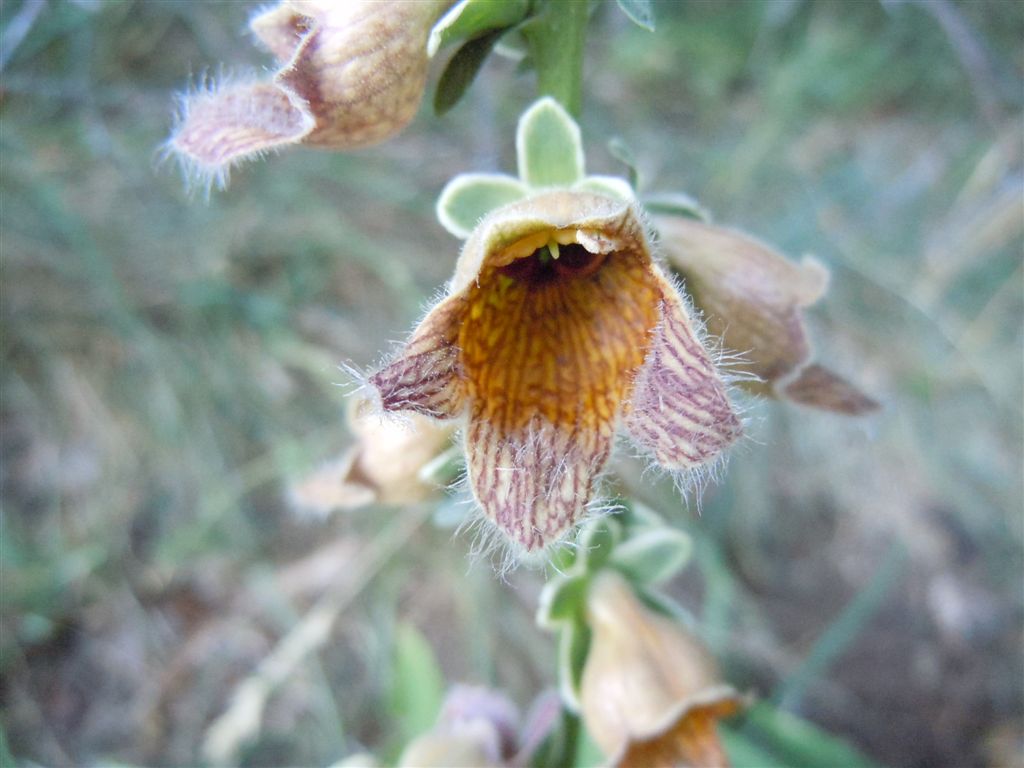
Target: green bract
549, 152
472, 18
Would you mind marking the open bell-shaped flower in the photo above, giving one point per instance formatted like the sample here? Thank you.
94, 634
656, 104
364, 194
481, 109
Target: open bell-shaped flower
557, 330
753, 298
352, 73
650, 694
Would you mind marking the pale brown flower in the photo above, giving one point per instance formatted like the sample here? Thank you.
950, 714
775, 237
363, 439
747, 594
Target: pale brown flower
650, 694
384, 466
477, 728
557, 329
352, 73
753, 298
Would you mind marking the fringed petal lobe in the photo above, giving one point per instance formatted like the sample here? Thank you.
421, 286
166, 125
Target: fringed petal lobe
426, 377
230, 122
679, 409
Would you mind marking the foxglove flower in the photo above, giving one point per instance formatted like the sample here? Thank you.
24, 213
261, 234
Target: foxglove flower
386, 465
557, 330
352, 73
753, 298
650, 694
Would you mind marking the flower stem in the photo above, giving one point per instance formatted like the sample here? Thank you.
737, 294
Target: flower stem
556, 35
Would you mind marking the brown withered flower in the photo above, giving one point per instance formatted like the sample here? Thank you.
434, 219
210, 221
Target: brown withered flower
753, 298
650, 694
557, 329
384, 466
352, 73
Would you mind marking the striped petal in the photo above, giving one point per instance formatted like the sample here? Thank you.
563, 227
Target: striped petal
425, 377
679, 409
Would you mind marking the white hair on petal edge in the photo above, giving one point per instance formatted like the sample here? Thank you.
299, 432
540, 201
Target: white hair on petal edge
199, 175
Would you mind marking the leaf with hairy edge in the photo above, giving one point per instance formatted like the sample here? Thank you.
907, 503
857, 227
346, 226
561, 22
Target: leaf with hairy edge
653, 556
462, 70
640, 12
549, 148
471, 18
470, 196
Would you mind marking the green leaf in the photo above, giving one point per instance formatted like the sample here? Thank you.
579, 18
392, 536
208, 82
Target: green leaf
612, 186
470, 196
417, 688
640, 12
548, 146
562, 599
573, 646
472, 18
744, 752
653, 556
462, 69
620, 150
676, 203
597, 542
798, 743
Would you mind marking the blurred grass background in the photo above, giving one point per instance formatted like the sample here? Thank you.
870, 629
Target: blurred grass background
169, 367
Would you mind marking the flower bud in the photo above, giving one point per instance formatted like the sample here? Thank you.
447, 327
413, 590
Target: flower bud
351, 74
753, 298
382, 467
650, 694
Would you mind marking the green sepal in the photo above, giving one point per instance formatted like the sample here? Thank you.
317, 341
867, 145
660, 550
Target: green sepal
472, 18
549, 148
676, 203
562, 600
470, 196
611, 186
597, 542
652, 556
573, 646
462, 70
640, 12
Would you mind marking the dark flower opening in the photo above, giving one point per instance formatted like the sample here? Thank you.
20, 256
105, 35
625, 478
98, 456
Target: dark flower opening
542, 266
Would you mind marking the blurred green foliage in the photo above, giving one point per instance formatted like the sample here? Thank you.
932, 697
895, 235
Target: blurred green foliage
169, 368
